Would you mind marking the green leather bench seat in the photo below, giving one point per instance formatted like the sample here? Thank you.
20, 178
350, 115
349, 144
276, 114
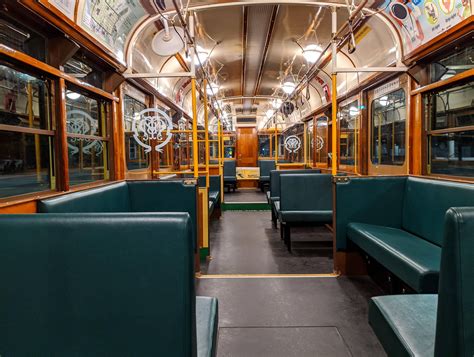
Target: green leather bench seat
415, 261
405, 323
230, 174
211, 208
129, 196
266, 166
414, 208
435, 325
101, 284
214, 193
274, 193
206, 325
305, 198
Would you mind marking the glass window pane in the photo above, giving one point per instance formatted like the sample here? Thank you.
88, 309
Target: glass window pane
83, 115
135, 155
264, 145
388, 129
450, 108
452, 64
87, 160
26, 163
452, 153
321, 145
348, 116
23, 100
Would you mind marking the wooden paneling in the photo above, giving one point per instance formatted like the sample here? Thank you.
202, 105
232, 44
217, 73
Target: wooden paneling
247, 146
62, 169
24, 207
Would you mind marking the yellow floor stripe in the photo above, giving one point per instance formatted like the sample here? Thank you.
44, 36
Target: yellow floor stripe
264, 276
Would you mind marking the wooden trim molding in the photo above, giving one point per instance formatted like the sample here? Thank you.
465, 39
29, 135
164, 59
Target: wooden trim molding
466, 75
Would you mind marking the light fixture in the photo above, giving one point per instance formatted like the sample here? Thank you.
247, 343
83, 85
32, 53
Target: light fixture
212, 88
276, 103
72, 95
353, 111
269, 113
383, 101
202, 54
288, 87
225, 115
312, 52
217, 104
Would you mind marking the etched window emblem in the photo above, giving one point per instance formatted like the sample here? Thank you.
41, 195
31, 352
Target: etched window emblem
292, 143
152, 124
80, 122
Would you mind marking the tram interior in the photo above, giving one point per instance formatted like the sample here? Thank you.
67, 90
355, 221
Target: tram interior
236, 178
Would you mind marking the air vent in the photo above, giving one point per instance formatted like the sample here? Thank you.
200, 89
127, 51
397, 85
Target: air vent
251, 120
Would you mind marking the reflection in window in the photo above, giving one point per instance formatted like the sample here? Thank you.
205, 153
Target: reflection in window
450, 119
292, 142
320, 140
348, 116
310, 141
87, 138
135, 155
26, 136
388, 129
266, 145
229, 146
452, 64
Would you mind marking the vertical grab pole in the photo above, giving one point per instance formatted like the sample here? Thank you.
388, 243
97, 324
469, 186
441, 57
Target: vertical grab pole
276, 144
206, 132
334, 92
194, 103
221, 156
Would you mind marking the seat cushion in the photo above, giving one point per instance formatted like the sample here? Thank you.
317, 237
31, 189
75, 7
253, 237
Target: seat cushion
206, 326
211, 207
214, 196
230, 178
264, 178
405, 324
306, 216
411, 258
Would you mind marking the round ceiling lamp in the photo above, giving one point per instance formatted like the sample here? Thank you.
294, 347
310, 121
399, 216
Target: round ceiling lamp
212, 88
72, 95
166, 42
312, 52
288, 87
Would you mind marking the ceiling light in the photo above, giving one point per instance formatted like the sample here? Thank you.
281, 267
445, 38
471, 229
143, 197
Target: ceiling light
225, 115
353, 111
312, 52
72, 95
269, 113
202, 54
288, 87
276, 103
212, 88
383, 101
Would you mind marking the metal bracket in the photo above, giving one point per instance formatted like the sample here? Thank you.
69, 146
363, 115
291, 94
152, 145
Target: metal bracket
340, 179
190, 182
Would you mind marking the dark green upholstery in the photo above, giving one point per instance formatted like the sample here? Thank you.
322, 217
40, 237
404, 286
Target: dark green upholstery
426, 202
414, 260
275, 180
265, 167
110, 198
435, 325
206, 325
214, 191
306, 198
230, 174
97, 284
405, 324
415, 207
130, 196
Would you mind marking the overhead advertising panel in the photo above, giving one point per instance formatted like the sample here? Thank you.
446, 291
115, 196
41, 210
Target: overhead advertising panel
111, 21
420, 21
67, 7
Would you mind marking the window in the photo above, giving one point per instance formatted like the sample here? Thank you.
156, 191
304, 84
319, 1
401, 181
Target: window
348, 116
310, 140
388, 129
87, 138
26, 134
449, 115
292, 144
135, 156
20, 38
454, 63
229, 146
320, 140
266, 145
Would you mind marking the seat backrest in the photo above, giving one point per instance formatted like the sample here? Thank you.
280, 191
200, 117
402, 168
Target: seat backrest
306, 192
266, 166
97, 284
455, 318
110, 198
165, 196
426, 202
214, 182
275, 179
229, 168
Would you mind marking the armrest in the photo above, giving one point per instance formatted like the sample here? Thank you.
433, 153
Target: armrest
373, 200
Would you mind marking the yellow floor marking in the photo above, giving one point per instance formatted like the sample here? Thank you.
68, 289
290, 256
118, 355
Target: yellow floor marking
264, 276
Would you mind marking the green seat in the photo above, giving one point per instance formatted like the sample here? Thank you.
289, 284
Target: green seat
268, 194
413, 207
266, 166
206, 326
230, 175
435, 325
414, 260
100, 284
304, 199
405, 324
211, 208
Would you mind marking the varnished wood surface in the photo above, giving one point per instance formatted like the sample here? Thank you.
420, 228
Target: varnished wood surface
246, 147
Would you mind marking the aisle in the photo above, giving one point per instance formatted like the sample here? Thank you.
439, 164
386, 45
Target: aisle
245, 242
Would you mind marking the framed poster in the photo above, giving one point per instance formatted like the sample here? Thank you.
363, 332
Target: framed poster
67, 7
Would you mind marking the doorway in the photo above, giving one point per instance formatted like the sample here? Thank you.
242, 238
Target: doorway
247, 146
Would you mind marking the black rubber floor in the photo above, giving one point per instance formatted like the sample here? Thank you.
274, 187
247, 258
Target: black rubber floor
244, 242
245, 195
293, 316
